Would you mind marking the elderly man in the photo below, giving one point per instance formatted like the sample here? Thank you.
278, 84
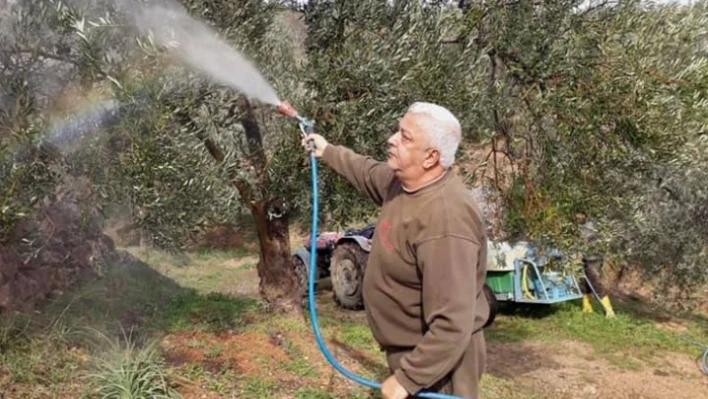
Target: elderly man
423, 284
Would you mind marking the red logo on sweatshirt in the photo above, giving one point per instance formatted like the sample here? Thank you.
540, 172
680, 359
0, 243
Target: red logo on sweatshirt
384, 232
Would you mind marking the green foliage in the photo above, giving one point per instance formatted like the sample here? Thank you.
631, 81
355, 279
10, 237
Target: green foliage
173, 188
132, 371
152, 162
600, 109
364, 80
27, 178
592, 106
611, 120
178, 183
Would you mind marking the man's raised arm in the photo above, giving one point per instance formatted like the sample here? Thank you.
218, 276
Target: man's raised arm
372, 178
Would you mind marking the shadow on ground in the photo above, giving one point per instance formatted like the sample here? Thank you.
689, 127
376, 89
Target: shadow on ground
377, 369
529, 311
131, 296
641, 308
506, 360
512, 322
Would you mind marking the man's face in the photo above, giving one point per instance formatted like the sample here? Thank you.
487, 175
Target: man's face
409, 153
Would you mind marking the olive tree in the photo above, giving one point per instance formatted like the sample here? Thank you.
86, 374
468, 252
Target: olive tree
41, 60
598, 108
202, 151
181, 150
590, 103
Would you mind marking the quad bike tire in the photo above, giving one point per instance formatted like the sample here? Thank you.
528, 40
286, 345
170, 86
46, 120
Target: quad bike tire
302, 274
347, 269
493, 304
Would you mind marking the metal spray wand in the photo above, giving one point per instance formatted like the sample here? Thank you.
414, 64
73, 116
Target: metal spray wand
306, 126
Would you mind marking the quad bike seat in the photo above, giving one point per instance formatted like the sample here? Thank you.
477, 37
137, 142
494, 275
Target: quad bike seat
367, 232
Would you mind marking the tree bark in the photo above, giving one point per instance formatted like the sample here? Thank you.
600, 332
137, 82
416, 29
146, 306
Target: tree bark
278, 283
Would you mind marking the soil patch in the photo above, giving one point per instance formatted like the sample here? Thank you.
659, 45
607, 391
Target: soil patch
571, 370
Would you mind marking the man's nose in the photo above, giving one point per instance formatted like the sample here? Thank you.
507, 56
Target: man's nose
393, 140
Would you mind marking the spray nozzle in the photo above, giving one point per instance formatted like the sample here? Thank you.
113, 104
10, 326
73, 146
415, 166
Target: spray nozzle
306, 126
286, 109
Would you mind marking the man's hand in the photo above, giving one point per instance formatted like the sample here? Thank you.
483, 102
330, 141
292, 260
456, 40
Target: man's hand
392, 389
319, 142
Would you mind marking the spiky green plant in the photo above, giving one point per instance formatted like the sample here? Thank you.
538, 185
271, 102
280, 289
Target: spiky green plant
129, 370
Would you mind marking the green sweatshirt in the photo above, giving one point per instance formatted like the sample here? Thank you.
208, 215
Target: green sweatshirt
422, 289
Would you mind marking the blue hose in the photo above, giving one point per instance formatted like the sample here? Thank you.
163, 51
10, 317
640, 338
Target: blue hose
703, 361
311, 298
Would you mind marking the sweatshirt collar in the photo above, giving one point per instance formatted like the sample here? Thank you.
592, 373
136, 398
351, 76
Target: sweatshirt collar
433, 182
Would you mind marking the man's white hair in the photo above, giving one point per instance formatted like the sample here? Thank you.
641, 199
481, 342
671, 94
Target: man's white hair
442, 127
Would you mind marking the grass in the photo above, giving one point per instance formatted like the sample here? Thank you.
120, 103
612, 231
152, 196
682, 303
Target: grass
80, 339
222, 381
257, 387
624, 340
299, 365
211, 313
210, 256
358, 336
309, 393
206, 271
44, 360
74, 340
496, 387
315, 393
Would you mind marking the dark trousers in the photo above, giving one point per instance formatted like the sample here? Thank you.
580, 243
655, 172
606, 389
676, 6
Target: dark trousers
592, 265
463, 380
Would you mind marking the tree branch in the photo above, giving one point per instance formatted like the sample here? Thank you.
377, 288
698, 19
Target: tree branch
214, 150
50, 56
596, 7
253, 133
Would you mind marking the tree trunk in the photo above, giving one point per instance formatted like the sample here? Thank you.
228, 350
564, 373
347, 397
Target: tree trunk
278, 282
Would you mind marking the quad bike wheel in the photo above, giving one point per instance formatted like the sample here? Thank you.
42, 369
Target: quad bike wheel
347, 268
302, 274
493, 304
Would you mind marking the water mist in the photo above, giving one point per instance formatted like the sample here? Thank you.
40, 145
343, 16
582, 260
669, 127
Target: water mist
198, 46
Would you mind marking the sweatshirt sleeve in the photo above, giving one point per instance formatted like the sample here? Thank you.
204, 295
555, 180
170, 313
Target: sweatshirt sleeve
370, 177
449, 306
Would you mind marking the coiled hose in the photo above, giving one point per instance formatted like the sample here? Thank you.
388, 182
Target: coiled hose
703, 359
311, 298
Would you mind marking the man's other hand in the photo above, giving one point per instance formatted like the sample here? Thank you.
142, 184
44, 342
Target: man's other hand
392, 389
319, 142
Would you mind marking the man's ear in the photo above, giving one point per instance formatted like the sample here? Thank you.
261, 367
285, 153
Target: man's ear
431, 159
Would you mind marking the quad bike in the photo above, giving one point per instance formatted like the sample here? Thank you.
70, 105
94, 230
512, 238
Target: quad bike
518, 272
342, 256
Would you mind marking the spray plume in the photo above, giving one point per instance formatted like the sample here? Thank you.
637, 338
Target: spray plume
197, 45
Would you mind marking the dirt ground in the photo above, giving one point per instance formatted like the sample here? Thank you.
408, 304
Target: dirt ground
266, 356
568, 370
571, 370
563, 370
